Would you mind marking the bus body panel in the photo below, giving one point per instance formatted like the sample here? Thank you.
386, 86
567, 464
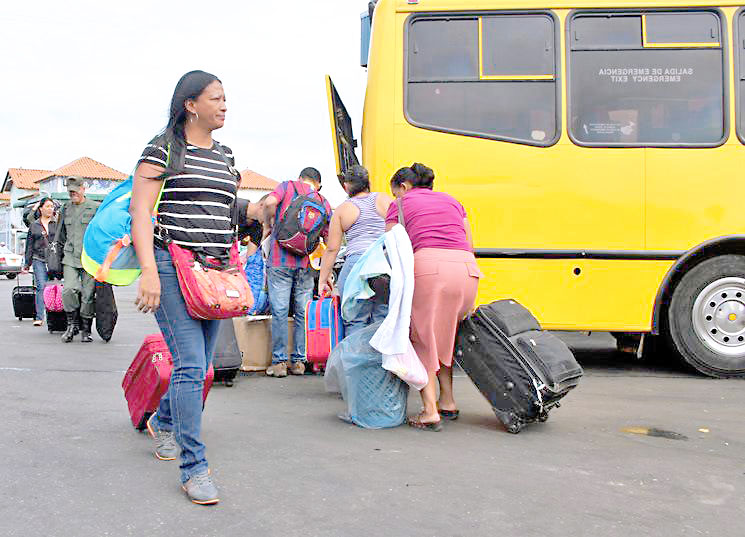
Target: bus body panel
562, 197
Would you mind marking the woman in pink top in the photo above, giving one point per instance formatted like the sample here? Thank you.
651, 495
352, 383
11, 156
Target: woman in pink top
446, 279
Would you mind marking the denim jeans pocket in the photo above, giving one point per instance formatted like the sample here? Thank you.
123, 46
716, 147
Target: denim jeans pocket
163, 262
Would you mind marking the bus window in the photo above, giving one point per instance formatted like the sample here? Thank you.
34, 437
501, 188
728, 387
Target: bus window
650, 80
487, 76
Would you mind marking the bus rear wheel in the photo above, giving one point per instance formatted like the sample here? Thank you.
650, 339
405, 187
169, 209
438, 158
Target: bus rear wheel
706, 317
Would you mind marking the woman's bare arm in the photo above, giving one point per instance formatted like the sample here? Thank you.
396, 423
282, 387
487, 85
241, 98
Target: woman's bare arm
333, 245
145, 191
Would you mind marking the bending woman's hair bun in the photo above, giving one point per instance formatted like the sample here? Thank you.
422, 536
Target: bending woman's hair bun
425, 176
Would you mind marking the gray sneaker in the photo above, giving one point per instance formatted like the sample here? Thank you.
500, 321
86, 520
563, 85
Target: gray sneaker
166, 448
200, 489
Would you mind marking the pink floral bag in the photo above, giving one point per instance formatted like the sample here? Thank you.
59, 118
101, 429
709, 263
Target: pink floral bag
53, 297
210, 290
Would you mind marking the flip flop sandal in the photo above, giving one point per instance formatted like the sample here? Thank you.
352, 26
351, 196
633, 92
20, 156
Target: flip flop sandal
435, 426
450, 415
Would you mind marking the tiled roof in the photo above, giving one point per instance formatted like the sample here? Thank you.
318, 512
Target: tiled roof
26, 179
256, 181
4, 197
86, 168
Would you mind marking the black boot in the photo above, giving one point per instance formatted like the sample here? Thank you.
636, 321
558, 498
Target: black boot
70, 332
76, 324
85, 329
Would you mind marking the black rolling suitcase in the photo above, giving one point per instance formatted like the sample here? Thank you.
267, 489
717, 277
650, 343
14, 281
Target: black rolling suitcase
227, 357
24, 301
521, 370
56, 321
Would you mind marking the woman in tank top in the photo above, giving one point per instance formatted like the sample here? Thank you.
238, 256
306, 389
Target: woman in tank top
362, 219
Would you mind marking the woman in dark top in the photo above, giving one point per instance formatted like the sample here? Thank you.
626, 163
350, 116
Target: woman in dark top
40, 233
199, 191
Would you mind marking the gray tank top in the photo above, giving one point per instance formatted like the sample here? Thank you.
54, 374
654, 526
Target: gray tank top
368, 227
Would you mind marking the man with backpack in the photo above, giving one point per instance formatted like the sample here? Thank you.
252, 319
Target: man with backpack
298, 216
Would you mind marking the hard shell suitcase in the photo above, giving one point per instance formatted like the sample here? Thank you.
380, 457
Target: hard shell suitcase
24, 302
147, 379
522, 371
227, 357
56, 321
323, 330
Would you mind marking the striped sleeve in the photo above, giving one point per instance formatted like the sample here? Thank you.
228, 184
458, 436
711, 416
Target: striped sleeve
154, 154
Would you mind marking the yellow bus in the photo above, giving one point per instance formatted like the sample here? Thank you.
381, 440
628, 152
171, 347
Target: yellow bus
596, 145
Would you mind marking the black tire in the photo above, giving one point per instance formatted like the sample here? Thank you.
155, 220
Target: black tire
692, 340
11, 276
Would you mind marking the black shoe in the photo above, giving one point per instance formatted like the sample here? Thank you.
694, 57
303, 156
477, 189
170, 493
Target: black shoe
85, 329
70, 332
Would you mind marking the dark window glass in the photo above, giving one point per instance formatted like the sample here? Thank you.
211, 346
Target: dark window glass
445, 91
682, 28
518, 45
514, 110
648, 96
607, 32
445, 49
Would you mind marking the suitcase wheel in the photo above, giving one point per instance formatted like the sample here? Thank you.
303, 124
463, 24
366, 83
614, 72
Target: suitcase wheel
543, 417
229, 383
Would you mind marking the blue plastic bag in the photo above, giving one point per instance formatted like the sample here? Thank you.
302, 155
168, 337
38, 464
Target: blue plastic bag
375, 398
256, 276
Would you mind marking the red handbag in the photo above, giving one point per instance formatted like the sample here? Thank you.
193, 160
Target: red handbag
210, 290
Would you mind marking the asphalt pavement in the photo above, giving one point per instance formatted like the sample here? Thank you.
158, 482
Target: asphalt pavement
287, 466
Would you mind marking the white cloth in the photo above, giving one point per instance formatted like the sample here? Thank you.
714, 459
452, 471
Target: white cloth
393, 335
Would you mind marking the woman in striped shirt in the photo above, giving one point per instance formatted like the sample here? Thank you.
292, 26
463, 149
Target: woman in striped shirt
199, 192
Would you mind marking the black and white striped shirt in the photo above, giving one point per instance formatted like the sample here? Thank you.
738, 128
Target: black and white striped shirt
196, 206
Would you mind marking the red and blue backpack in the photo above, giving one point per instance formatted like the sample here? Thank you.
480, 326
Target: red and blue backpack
300, 226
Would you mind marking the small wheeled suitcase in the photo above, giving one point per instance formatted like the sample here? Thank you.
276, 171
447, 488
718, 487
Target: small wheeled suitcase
227, 357
521, 370
24, 301
147, 379
323, 330
56, 321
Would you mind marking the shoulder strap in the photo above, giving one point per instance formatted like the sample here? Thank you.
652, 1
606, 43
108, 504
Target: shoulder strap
237, 175
60, 223
400, 204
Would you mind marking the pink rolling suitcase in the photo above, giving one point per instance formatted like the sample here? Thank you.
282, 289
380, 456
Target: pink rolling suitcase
147, 379
323, 330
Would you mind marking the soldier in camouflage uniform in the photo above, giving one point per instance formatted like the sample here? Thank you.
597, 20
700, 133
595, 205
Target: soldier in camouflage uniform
78, 296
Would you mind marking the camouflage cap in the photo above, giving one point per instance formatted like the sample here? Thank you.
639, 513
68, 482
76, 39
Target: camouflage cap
74, 184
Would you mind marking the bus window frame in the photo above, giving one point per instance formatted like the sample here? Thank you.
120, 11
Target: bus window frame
724, 47
736, 61
557, 81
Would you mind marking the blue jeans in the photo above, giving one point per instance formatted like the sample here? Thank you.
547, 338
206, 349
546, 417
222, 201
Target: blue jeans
367, 313
192, 345
281, 280
40, 280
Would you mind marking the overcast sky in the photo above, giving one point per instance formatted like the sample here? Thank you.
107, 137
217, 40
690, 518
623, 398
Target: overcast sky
92, 78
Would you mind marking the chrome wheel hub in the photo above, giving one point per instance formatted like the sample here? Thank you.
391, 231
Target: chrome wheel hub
719, 316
